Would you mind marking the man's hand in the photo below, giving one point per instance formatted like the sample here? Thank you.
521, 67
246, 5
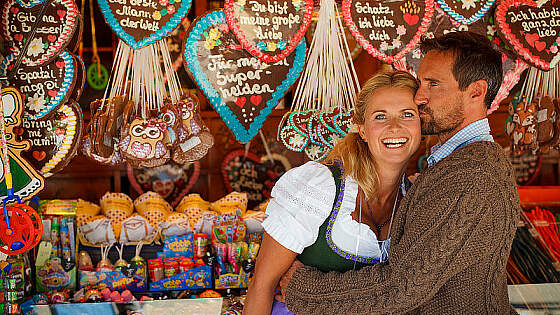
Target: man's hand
285, 280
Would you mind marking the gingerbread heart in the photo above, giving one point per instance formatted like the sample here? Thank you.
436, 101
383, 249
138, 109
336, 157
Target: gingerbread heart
530, 31
241, 88
54, 140
343, 122
253, 175
140, 23
388, 30
80, 78
45, 87
524, 135
171, 180
466, 11
269, 30
54, 31
74, 43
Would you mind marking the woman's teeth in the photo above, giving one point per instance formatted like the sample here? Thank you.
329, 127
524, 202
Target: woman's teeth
394, 142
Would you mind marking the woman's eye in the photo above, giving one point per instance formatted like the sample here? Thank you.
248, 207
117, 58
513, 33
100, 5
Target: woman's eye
408, 115
380, 116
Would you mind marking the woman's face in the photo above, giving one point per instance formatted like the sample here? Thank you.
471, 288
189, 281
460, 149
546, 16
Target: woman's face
392, 125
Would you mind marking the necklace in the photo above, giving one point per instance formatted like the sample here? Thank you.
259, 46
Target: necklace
389, 219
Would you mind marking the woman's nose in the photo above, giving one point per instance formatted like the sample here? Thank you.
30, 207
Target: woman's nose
421, 97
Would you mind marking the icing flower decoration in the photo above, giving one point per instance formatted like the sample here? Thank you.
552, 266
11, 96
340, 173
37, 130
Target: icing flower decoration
558, 40
281, 45
36, 102
553, 49
156, 15
297, 140
416, 53
467, 4
214, 34
170, 9
396, 43
271, 46
430, 35
261, 45
383, 46
490, 30
163, 2
297, 4
401, 30
36, 47
241, 3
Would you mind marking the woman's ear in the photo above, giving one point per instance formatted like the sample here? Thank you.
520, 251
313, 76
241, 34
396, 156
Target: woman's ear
362, 133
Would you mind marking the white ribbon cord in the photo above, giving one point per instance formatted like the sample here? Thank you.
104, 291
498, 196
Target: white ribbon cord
329, 79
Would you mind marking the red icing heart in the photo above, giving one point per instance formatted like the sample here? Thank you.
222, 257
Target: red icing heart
60, 64
18, 37
61, 13
51, 38
39, 155
168, 180
256, 99
540, 45
52, 93
288, 30
379, 28
531, 38
411, 19
14, 10
520, 24
240, 101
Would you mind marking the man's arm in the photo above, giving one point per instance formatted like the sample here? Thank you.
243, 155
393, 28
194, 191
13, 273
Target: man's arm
446, 231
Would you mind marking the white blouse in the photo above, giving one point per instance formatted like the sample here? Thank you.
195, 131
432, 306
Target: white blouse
303, 199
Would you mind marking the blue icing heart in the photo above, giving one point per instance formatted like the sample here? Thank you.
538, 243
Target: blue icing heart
55, 101
460, 18
155, 36
231, 120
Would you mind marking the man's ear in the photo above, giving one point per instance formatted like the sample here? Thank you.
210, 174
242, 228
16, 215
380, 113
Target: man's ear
476, 92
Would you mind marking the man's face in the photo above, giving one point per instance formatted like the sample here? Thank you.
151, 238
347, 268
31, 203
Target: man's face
439, 100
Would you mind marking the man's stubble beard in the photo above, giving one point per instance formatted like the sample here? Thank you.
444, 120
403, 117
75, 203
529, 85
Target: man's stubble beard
442, 125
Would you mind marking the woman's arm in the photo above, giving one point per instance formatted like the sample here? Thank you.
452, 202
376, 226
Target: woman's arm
272, 262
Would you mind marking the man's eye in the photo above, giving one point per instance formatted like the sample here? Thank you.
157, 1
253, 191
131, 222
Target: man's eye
433, 83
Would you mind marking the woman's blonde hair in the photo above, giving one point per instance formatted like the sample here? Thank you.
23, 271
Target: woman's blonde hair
352, 150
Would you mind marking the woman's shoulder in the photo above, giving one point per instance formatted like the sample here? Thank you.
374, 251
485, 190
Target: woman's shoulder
312, 173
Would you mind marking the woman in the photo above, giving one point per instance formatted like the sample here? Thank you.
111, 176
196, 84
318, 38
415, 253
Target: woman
337, 215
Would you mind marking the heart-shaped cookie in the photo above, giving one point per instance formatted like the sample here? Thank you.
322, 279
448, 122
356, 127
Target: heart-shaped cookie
80, 78
253, 175
269, 30
172, 181
140, 23
54, 140
466, 11
388, 30
531, 31
46, 87
241, 88
54, 32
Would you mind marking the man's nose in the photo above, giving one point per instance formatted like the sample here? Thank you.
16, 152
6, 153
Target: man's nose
421, 97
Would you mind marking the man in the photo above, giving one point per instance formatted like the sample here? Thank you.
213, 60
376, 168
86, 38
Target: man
453, 230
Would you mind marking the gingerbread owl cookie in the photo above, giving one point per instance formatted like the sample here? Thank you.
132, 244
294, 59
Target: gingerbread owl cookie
195, 138
145, 142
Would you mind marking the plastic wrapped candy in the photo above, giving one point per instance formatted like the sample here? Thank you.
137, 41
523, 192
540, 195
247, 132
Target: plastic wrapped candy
153, 207
117, 207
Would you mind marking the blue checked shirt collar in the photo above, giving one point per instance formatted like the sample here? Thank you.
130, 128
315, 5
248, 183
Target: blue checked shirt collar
476, 131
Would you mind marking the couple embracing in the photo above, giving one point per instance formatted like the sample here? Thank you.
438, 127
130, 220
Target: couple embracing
353, 235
